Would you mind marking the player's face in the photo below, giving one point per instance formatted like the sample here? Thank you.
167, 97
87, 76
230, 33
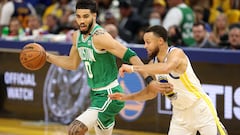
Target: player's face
85, 20
151, 44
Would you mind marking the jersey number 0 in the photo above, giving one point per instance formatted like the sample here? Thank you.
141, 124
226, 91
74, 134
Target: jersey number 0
88, 68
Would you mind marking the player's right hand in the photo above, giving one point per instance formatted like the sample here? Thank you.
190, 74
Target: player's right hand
125, 68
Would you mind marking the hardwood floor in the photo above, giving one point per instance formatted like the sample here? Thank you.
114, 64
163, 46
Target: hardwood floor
20, 127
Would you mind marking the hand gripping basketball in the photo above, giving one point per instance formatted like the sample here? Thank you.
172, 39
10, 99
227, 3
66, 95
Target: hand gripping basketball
33, 56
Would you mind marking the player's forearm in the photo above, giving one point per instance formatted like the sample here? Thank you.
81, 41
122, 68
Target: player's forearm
135, 60
65, 62
142, 95
161, 68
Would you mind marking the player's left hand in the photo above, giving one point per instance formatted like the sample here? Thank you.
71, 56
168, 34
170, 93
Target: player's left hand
159, 87
125, 68
117, 96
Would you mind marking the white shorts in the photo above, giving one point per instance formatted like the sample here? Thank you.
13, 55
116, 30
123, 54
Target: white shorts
198, 117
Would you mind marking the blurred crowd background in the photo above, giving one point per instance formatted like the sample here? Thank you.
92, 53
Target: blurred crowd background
190, 23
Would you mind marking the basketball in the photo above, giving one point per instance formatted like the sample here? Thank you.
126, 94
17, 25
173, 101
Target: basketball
33, 56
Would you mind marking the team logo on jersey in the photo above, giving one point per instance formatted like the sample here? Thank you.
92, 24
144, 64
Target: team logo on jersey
86, 53
132, 83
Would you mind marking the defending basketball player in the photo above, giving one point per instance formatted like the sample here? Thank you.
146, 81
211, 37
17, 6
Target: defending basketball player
192, 109
97, 49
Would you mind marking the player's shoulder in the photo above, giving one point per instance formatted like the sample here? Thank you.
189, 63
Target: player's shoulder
99, 32
172, 48
175, 50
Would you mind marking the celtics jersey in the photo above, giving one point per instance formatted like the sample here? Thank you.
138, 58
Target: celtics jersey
101, 66
186, 25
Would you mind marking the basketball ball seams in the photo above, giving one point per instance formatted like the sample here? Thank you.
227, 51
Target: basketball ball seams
33, 56
29, 57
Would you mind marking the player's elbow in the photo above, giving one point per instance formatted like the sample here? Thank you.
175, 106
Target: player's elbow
73, 67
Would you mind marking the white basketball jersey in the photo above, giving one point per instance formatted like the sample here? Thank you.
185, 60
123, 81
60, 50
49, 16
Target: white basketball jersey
186, 86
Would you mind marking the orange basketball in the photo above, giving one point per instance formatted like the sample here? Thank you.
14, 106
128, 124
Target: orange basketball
33, 56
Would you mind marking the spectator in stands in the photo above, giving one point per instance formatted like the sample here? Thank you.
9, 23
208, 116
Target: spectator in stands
15, 27
13, 31
40, 5
2, 2
73, 27
182, 16
199, 17
201, 36
110, 6
57, 9
64, 24
233, 13
175, 36
234, 38
219, 35
154, 18
160, 7
52, 24
16, 8
110, 18
34, 26
205, 5
113, 31
66, 13
229, 7
130, 22
143, 7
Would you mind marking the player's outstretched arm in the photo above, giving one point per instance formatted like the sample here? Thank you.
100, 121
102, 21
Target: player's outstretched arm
176, 61
70, 62
104, 41
147, 93
142, 95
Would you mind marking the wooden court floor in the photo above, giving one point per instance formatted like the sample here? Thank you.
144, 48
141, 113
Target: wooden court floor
20, 127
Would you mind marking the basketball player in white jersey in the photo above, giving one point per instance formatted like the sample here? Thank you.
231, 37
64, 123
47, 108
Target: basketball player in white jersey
192, 108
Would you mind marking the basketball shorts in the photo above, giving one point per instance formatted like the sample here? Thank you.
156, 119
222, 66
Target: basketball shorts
102, 110
201, 116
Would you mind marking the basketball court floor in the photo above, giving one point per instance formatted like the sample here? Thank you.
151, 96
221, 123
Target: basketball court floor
20, 127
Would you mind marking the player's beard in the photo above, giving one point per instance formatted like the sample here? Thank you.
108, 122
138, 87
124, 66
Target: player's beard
153, 53
88, 29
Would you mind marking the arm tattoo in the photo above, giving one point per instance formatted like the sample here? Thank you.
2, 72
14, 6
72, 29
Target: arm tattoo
99, 32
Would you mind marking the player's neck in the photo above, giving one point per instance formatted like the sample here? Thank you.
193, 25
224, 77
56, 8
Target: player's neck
162, 53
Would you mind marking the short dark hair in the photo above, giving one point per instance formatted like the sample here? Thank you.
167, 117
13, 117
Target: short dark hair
124, 3
199, 24
87, 4
158, 31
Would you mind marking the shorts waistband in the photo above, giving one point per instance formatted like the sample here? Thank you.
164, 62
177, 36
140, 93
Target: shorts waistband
109, 86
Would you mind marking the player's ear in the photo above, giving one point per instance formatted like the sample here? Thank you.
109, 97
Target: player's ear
161, 41
94, 16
